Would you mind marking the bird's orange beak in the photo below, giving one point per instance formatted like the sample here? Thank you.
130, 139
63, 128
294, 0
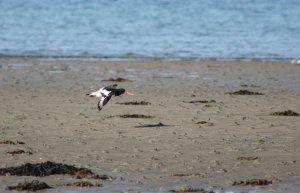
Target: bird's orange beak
128, 93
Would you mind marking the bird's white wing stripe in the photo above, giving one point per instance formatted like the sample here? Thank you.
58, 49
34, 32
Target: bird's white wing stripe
100, 103
96, 94
105, 92
100, 93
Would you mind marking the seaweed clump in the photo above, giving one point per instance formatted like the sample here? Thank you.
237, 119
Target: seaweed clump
11, 142
135, 103
81, 184
244, 92
30, 186
103, 177
200, 101
119, 79
251, 85
190, 189
136, 116
205, 122
152, 125
247, 158
7, 142
18, 151
285, 113
48, 168
202, 122
252, 182
189, 174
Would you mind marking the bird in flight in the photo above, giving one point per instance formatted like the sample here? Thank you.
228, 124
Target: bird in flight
105, 94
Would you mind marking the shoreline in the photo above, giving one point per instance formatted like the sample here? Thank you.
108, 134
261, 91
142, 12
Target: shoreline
210, 139
133, 57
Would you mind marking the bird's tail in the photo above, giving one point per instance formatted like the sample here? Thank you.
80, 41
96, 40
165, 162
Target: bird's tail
90, 95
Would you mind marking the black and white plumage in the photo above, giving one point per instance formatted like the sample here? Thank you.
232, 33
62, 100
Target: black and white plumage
105, 94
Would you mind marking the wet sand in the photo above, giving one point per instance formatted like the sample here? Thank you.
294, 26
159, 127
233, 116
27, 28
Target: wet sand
209, 140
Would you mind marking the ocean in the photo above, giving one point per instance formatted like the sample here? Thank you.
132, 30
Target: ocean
202, 29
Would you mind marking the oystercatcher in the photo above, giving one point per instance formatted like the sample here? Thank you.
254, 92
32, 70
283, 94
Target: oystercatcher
105, 94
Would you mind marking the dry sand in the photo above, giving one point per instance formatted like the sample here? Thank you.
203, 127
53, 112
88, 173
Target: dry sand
43, 104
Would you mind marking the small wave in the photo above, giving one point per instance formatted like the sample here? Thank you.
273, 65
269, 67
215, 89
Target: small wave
133, 56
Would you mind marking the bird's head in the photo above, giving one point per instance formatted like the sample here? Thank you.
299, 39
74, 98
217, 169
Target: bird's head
121, 91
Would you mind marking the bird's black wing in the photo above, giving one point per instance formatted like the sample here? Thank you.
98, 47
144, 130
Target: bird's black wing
111, 87
104, 101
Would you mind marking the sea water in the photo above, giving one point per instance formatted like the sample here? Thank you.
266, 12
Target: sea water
228, 29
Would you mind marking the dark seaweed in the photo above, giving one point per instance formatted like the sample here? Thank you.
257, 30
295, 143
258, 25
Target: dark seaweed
103, 177
188, 174
244, 92
200, 101
251, 85
48, 168
132, 116
118, 80
205, 122
247, 158
189, 189
7, 142
11, 142
202, 122
135, 103
152, 125
135, 116
30, 186
81, 184
18, 151
252, 182
285, 113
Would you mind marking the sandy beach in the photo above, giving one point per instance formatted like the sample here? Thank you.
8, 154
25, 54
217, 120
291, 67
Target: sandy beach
198, 135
